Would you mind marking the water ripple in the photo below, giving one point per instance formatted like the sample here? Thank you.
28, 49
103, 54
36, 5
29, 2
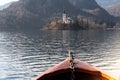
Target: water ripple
25, 55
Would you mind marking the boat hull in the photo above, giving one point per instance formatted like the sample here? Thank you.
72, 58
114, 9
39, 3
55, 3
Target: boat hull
78, 71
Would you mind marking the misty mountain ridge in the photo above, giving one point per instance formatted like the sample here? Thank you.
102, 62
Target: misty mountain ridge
5, 6
114, 9
36, 13
106, 3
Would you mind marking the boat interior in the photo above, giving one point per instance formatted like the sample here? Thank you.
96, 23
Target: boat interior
72, 76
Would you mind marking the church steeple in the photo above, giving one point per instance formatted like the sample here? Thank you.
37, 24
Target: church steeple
64, 16
66, 19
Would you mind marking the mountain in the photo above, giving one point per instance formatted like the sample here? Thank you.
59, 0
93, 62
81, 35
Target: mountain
1, 7
5, 6
114, 9
105, 3
26, 14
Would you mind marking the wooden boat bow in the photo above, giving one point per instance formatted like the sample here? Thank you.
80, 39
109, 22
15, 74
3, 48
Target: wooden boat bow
73, 69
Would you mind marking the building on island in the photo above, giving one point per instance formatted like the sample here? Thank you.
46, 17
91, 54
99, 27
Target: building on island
64, 23
66, 19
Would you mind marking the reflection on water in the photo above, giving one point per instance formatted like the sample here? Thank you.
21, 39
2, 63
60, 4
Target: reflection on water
24, 55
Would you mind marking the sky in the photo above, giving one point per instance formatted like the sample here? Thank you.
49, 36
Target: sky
2, 2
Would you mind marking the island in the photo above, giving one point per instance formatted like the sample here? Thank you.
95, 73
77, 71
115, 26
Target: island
65, 23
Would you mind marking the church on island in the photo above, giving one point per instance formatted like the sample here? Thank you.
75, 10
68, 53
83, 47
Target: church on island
64, 23
66, 19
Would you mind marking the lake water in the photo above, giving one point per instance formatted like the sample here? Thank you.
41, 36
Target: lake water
25, 54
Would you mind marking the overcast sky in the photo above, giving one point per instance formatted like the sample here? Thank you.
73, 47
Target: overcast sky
2, 2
